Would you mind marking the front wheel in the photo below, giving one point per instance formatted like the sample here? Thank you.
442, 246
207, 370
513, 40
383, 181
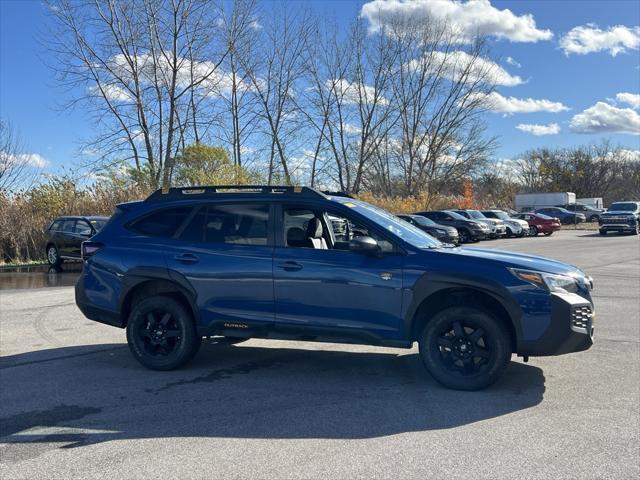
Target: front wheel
161, 333
533, 230
465, 348
602, 232
464, 235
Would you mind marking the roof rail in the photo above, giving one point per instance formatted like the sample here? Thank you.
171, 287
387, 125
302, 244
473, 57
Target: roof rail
175, 193
337, 194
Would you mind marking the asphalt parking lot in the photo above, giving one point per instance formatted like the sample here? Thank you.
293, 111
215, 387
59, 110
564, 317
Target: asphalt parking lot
75, 404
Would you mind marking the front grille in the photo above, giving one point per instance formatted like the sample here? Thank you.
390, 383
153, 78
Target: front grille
582, 318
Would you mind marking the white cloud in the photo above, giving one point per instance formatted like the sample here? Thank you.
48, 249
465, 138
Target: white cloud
469, 18
538, 130
632, 99
589, 38
603, 117
113, 93
510, 105
352, 92
27, 159
630, 155
512, 61
455, 63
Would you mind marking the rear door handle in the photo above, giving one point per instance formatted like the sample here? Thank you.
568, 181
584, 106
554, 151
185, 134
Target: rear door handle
187, 258
290, 266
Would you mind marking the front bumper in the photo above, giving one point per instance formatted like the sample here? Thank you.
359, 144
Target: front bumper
627, 226
570, 330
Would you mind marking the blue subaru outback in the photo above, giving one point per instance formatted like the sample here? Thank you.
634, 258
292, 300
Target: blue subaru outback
293, 263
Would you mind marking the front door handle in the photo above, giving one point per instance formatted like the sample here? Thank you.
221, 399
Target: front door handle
187, 258
290, 266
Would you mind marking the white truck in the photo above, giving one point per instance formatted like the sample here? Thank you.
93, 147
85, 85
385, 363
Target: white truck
528, 202
595, 202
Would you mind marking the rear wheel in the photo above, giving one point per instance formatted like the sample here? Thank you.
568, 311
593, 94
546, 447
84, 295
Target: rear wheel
533, 230
602, 232
161, 333
465, 348
53, 257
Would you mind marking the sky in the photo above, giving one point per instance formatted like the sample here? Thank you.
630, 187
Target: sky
570, 71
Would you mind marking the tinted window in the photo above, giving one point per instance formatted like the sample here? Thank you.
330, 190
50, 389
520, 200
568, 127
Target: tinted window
82, 228
162, 223
621, 207
69, 225
98, 224
57, 225
237, 224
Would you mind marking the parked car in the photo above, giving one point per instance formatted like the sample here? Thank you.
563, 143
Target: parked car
468, 230
621, 217
497, 227
441, 232
203, 261
592, 214
562, 214
539, 223
66, 234
515, 226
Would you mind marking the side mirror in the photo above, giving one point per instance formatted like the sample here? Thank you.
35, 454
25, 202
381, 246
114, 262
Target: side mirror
364, 244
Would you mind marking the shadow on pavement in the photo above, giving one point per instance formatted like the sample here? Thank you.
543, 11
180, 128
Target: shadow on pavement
90, 394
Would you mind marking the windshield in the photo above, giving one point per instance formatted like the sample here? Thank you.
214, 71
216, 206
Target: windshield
397, 226
476, 214
424, 221
502, 215
456, 215
625, 206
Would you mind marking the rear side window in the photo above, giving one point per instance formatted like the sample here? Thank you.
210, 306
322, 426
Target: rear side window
162, 223
55, 226
233, 224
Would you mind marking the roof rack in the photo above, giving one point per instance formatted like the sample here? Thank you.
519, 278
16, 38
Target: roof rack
215, 190
337, 194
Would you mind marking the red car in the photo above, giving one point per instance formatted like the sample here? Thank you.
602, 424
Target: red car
539, 223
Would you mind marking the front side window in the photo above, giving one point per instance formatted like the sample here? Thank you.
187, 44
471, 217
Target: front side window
69, 225
162, 223
232, 224
325, 230
82, 228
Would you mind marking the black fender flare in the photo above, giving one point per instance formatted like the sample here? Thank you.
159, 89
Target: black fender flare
138, 275
431, 283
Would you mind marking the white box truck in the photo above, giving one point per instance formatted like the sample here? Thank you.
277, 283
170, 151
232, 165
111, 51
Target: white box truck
595, 202
527, 202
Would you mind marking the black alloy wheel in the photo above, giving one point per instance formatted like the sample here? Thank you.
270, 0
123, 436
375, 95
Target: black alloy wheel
465, 348
161, 333
464, 235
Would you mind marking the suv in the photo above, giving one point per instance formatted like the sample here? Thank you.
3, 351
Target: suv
621, 217
468, 230
265, 262
66, 234
441, 232
515, 226
497, 227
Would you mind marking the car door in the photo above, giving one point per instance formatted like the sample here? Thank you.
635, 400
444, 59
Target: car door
335, 291
82, 231
226, 253
66, 237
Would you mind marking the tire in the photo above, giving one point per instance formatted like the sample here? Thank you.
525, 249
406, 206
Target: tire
464, 235
465, 348
509, 233
533, 231
602, 232
161, 333
53, 257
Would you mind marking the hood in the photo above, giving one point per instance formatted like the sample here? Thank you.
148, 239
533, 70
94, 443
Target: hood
522, 223
616, 213
520, 260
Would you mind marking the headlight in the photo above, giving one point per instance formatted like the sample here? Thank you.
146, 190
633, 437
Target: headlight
441, 232
547, 281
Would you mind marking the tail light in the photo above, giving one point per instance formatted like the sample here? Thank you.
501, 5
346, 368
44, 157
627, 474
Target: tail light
90, 248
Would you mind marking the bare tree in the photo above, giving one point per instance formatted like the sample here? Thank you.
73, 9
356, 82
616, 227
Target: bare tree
138, 67
17, 169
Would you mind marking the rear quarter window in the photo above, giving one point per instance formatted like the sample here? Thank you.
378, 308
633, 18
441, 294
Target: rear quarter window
161, 223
